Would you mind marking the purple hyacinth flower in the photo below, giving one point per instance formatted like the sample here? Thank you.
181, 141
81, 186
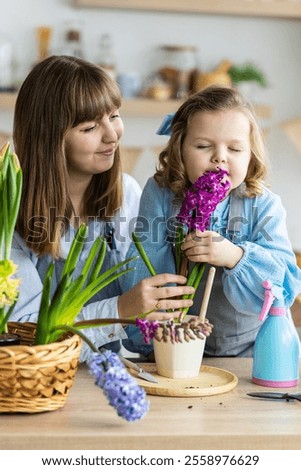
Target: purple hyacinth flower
202, 198
119, 387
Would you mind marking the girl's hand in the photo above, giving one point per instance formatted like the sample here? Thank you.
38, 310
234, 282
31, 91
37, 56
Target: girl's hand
152, 294
210, 247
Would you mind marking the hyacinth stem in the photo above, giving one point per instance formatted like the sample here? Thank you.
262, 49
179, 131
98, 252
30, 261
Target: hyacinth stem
183, 266
180, 235
3, 321
78, 332
142, 315
194, 280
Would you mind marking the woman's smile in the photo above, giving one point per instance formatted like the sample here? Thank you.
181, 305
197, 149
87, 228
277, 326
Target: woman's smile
107, 152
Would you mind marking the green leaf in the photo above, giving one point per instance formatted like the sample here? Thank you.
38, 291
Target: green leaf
115, 268
91, 257
4, 161
75, 250
5, 219
10, 195
143, 255
11, 178
60, 297
43, 318
5, 318
73, 288
88, 293
60, 307
99, 261
2, 228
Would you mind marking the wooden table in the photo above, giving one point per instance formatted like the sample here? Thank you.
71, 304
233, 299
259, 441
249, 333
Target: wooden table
227, 421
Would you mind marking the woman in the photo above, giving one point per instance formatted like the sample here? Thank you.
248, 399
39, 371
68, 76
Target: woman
67, 129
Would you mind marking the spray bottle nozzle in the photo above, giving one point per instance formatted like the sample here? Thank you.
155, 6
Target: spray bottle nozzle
268, 299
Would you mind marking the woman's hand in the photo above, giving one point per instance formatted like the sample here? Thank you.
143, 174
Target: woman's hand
211, 247
152, 294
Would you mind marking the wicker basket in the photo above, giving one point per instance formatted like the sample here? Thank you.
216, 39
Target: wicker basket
36, 378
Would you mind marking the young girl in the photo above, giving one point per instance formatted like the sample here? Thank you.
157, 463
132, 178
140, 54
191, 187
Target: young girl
67, 129
246, 240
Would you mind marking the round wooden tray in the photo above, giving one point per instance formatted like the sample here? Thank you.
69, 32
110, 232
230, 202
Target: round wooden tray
210, 381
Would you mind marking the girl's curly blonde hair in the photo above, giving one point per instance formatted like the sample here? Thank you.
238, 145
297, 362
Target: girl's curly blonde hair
171, 171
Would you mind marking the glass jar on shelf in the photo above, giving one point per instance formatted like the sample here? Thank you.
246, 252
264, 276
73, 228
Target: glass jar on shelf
178, 67
106, 57
72, 40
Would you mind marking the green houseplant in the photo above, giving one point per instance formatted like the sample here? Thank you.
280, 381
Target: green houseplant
247, 73
10, 194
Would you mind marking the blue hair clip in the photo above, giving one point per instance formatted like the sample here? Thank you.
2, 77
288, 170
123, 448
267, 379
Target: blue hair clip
165, 127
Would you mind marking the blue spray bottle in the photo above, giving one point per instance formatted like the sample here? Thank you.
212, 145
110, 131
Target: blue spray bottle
276, 349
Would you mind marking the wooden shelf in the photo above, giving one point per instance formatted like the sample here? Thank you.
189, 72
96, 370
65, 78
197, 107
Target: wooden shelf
137, 107
151, 108
267, 8
144, 107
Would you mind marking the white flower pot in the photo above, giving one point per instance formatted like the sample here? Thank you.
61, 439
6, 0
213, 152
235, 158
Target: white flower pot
179, 360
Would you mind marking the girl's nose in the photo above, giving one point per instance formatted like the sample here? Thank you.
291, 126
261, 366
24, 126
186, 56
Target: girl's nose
219, 156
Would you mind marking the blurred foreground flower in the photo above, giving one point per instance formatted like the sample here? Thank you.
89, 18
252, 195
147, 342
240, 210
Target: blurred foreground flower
120, 388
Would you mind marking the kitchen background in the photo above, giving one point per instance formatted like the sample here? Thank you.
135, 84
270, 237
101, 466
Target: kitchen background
269, 42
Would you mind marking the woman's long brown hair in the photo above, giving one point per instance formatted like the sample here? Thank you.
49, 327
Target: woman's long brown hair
58, 94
